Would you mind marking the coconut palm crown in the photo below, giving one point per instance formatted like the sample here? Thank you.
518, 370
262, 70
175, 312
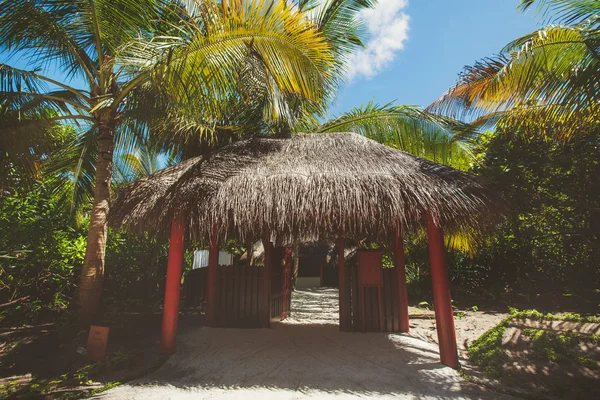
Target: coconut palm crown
136, 55
546, 83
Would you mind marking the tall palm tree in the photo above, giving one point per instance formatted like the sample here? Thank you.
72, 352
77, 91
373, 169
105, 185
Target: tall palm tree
546, 83
185, 52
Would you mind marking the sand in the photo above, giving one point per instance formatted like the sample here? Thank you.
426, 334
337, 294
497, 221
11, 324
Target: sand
468, 327
304, 357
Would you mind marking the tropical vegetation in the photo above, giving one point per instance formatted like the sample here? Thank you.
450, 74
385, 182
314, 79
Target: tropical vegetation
543, 84
145, 63
564, 355
174, 79
166, 76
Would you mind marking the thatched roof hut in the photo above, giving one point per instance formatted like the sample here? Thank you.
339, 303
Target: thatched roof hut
309, 185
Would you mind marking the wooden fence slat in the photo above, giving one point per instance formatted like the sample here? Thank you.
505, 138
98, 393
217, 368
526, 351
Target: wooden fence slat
395, 297
238, 293
253, 287
389, 303
255, 309
248, 294
390, 299
385, 303
356, 301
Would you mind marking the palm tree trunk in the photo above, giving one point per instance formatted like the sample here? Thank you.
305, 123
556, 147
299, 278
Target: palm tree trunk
92, 273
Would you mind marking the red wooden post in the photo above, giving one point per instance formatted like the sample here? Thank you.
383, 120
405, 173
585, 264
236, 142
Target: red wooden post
268, 248
403, 324
212, 279
343, 284
173, 286
370, 275
444, 317
287, 282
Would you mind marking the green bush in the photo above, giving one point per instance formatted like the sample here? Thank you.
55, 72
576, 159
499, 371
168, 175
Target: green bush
135, 271
42, 250
547, 346
40, 254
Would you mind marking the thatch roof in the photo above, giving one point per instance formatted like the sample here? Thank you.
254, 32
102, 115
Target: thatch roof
306, 186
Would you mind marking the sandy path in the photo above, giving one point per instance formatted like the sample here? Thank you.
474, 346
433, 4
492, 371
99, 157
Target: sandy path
302, 358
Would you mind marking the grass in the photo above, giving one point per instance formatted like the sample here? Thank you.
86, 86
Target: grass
486, 351
554, 352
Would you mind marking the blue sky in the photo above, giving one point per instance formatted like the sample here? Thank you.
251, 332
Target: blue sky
418, 47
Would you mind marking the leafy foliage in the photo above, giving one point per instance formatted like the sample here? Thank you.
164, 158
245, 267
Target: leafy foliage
551, 241
41, 252
42, 249
409, 128
546, 251
545, 83
135, 280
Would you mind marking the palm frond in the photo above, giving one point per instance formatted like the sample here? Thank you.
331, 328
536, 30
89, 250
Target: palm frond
145, 160
201, 59
71, 171
409, 128
25, 138
344, 30
24, 89
557, 121
569, 12
120, 21
557, 65
47, 32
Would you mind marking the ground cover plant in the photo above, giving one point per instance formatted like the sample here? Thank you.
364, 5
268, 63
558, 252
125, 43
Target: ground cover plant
547, 354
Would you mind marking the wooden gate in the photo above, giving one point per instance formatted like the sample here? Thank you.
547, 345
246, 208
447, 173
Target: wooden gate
389, 303
239, 296
240, 301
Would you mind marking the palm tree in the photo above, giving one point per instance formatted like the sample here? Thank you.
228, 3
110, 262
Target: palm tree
186, 53
546, 83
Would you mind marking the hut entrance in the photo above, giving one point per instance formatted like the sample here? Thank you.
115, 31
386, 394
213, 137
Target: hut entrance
241, 301
314, 269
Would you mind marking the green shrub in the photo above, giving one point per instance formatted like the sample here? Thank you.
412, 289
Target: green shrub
41, 250
545, 345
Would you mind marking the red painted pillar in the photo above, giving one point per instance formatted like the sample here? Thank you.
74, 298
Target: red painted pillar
212, 278
403, 324
343, 284
444, 317
268, 248
287, 282
173, 286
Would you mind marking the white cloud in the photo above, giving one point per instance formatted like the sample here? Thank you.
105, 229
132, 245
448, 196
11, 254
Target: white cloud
388, 27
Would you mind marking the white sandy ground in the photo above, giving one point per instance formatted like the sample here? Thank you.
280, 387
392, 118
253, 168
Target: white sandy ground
304, 357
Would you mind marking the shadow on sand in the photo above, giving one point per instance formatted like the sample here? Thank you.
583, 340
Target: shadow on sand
301, 359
